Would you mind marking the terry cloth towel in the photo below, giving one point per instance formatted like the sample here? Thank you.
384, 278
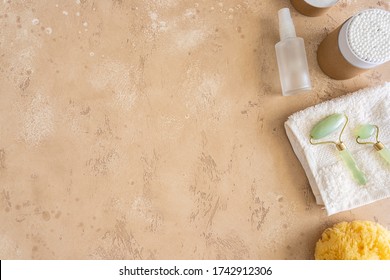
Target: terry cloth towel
330, 180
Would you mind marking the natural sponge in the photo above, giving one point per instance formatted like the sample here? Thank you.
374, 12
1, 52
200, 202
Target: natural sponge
357, 240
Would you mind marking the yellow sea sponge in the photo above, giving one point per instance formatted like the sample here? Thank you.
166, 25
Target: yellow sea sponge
357, 240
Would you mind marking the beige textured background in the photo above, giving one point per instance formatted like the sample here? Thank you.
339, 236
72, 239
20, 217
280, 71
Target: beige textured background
154, 130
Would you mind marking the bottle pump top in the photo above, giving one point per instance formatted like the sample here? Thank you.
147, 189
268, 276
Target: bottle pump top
286, 25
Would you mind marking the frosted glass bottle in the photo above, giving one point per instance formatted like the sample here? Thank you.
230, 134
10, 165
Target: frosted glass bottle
291, 57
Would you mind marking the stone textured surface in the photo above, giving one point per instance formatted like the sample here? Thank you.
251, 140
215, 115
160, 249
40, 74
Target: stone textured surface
154, 130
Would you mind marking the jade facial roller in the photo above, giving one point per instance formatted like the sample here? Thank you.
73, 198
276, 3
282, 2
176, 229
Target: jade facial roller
329, 125
368, 130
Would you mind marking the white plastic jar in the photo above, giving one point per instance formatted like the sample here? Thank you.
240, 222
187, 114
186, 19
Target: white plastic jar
359, 44
313, 8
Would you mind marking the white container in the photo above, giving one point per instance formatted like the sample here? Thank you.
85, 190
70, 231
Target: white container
313, 8
291, 57
359, 44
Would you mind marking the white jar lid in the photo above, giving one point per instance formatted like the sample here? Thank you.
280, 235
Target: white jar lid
364, 38
321, 3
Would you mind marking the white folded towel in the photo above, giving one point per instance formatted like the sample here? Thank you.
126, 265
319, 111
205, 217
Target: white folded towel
330, 180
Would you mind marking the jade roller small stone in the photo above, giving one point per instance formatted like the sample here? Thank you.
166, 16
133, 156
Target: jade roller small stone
368, 130
329, 125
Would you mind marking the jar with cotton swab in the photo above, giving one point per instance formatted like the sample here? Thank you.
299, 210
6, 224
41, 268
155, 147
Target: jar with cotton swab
361, 43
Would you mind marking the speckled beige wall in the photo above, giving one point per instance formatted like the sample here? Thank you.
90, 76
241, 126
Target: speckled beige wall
154, 130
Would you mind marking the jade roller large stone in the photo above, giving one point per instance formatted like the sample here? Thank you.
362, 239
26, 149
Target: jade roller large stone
326, 127
368, 130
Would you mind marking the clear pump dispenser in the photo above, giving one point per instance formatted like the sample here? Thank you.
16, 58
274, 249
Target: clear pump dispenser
291, 57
